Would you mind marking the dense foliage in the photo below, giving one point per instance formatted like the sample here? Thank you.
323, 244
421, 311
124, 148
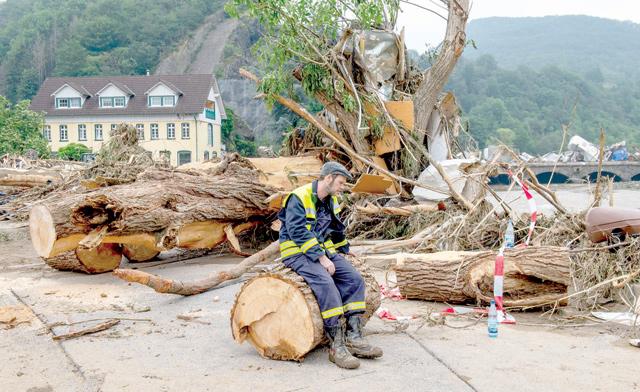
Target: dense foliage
526, 107
73, 151
20, 129
39, 38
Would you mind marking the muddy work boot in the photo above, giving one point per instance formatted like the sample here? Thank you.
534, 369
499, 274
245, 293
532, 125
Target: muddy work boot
338, 352
356, 343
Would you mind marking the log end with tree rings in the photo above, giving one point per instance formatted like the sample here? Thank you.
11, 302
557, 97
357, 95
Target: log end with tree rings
103, 258
279, 315
42, 230
139, 253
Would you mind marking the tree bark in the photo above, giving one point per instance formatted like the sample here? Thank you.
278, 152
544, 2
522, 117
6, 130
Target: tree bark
533, 276
163, 209
436, 77
279, 315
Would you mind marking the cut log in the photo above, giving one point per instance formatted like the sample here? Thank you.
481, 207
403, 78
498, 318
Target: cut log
139, 253
533, 276
162, 209
104, 258
279, 315
28, 177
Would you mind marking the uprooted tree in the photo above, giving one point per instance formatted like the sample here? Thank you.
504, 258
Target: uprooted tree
379, 109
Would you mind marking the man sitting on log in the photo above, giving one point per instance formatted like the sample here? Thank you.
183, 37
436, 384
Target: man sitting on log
312, 243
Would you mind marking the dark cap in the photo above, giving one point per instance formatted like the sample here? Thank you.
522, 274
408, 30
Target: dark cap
330, 168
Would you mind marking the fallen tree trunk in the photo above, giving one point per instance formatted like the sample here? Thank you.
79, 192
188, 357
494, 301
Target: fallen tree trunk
168, 286
533, 276
28, 177
278, 313
163, 209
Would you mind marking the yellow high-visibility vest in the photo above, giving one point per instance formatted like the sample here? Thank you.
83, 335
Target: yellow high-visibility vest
305, 194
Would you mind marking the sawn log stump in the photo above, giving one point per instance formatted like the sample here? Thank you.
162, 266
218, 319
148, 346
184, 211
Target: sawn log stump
279, 315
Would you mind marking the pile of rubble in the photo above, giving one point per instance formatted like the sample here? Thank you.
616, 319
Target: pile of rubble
581, 150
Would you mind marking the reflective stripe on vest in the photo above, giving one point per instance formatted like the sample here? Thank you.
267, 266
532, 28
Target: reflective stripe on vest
305, 194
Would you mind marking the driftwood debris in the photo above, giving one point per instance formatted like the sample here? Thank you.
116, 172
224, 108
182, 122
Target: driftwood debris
371, 209
29, 177
86, 331
278, 313
533, 276
168, 286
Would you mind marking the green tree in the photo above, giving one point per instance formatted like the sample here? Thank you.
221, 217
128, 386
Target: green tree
73, 151
228, 126
21, 129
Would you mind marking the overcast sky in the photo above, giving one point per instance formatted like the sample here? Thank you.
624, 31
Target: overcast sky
424, 27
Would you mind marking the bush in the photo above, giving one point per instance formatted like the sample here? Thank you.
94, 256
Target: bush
73, 151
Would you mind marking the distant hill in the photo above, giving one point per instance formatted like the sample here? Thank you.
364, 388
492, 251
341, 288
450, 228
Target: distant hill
40, 38
586, 45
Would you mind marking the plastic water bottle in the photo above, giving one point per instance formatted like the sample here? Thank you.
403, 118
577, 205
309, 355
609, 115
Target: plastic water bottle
509, 236
492, 324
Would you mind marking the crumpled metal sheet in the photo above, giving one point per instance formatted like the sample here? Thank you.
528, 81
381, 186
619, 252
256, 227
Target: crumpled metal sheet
376, 52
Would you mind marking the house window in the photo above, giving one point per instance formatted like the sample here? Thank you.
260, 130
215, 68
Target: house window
66, 103
210, 110
184, 157
47, 132
82, 132
140, 129
64, 134
97, 132
113, 127
155, 134
206, 155
171, 131
162, 100
112, 102
210, 129
185, 131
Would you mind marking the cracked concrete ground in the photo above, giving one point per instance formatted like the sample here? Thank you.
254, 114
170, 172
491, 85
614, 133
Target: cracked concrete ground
152, 348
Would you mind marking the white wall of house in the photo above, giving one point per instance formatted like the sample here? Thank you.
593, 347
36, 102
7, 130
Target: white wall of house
69, 92
113, 91
161, 89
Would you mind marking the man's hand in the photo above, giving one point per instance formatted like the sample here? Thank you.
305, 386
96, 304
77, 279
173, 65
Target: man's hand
327, 264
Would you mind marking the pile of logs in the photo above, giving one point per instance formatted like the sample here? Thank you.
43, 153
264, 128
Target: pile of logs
161, 210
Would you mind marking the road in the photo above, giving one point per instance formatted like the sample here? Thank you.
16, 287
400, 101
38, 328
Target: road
153, 349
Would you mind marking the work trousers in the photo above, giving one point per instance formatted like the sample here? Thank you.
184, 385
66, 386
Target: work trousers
337, 295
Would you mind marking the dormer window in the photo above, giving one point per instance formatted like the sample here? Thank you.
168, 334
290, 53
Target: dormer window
112, 102
162, 100
68, 103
